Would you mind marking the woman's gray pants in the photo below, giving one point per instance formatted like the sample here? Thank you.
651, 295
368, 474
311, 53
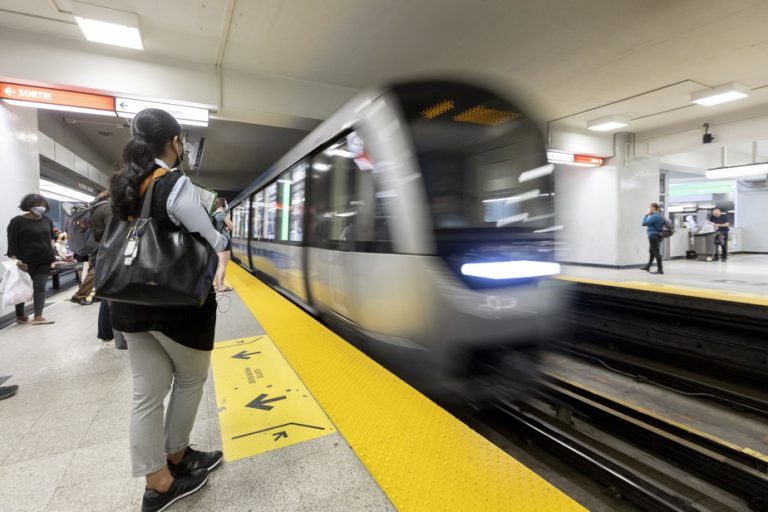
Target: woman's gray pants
160, 365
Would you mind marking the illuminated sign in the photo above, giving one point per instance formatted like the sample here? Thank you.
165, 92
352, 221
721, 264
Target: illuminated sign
557, 157
57, 99
184, 114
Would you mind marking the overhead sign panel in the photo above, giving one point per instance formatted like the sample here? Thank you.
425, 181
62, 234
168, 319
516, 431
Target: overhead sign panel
42, 96
195, 116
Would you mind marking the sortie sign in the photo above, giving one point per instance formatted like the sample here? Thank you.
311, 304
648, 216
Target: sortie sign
56, 97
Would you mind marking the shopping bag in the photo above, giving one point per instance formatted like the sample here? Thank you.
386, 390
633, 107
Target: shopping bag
16, 285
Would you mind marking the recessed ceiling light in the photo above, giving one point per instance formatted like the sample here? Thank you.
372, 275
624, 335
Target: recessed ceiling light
606, 124
108, 26
720, 94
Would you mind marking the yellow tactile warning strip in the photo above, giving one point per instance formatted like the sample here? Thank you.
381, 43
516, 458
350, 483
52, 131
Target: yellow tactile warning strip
421, 456
749, 451
742, 298
263, 405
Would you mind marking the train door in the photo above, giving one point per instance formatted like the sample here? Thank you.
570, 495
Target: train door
331, 221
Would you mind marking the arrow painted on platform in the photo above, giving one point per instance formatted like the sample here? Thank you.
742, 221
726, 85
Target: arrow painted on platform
303, 425
243, 354
260, 403
278, 435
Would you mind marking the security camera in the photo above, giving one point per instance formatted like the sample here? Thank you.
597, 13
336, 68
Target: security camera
707, 137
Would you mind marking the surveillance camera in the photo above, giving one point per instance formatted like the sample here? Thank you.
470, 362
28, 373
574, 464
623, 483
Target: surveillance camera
707, 138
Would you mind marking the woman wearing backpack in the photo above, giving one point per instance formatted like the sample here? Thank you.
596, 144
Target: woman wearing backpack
30, 243
169, 348
654, 222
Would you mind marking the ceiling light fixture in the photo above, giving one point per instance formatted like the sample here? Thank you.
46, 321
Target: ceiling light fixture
738, 171
108, 26
606, 124
721, 94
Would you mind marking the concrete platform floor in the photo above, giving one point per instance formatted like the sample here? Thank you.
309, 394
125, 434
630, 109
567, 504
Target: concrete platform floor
64, 437
742, 273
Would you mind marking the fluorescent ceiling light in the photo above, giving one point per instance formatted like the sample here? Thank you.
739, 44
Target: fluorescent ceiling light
183, 122
606, 124
50, 106
738, 171
108, 26
720, 94
538, 172
510, 269
60, 192
549, 230
506, 221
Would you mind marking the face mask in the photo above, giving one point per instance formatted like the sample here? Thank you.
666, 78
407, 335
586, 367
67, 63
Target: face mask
38, 210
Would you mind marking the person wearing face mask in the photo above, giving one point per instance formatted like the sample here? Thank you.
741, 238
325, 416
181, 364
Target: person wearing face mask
223, 225
30, 243
169, 348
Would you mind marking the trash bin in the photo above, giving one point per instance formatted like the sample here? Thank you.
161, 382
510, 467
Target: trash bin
704, 245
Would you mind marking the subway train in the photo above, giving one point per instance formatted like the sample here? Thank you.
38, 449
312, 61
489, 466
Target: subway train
418, 219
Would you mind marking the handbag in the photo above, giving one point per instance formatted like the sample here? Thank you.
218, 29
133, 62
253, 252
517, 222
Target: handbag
141, 263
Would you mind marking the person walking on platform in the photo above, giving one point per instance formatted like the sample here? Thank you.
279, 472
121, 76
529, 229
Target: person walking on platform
30, 243
101, 208
722, 223
653, 222
169, 349
223, 225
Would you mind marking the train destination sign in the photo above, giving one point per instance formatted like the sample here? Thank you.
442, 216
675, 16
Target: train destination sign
262, 403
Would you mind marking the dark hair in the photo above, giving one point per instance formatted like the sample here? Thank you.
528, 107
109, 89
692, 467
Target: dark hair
655, 205
30, 200
151, 130
219, 203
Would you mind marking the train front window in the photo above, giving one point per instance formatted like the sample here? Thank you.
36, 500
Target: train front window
483, 162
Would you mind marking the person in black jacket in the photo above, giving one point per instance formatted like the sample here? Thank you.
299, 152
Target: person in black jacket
30, 243
169, 348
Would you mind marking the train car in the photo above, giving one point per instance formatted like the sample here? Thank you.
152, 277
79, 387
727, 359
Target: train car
420, 216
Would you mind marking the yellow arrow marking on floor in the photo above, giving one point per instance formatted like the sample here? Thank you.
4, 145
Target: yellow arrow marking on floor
263, 405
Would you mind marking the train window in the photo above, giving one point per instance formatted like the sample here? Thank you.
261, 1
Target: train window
257, 214
298, 174
270, 210
240, 221
483, 162
346, 213
282, 206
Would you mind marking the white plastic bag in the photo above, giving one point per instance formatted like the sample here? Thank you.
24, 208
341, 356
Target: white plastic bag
16, 285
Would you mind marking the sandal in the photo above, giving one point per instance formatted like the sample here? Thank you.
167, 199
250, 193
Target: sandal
225, 289
41, 322
22, 319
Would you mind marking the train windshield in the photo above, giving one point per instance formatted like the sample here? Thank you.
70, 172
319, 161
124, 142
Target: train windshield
483, 162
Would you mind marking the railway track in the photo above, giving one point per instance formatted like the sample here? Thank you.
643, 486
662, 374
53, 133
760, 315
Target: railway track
654, 463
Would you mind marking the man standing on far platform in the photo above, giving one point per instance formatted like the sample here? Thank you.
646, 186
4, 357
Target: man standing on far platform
653, 222
722, 223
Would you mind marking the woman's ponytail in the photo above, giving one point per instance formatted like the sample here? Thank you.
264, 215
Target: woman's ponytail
152, 129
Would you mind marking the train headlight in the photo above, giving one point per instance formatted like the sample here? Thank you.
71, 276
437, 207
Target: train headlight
521, 269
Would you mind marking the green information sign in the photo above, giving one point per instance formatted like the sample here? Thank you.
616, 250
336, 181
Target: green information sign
701, 187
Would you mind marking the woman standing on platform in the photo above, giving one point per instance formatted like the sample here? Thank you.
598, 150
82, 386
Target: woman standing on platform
224, 226
169, 348
30, 243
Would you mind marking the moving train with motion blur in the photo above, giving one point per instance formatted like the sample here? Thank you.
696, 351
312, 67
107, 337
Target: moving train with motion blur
420, 218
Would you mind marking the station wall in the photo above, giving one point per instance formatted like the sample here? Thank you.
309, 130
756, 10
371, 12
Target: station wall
752, 217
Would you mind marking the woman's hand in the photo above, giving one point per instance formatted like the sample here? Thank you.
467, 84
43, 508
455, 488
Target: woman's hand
22, 266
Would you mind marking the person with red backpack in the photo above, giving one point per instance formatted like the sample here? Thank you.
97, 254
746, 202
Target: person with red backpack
654, 224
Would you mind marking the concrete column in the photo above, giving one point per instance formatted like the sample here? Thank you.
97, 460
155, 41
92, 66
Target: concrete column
19, 161
601, 208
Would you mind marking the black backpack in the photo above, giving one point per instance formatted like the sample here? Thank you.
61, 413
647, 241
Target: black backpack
79, 229
667, 229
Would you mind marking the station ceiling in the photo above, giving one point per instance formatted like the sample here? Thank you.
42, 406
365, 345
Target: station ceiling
567, 61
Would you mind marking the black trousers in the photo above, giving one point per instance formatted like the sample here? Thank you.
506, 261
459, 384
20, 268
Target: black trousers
723, 246
655, 250
40, 273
